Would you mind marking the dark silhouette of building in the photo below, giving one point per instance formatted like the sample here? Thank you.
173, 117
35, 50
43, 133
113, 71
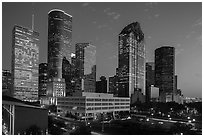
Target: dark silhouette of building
59, 49
25, 63
6, 83
101, 86
165, 72
113, 84
149, 79
85, 67
131, 62
42, 85
67, 75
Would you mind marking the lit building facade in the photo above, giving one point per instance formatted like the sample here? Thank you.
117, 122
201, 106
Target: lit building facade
149, 79
165, 72
6, 83
42, 85
89, 104
25, 59
131, 62
56, 87
85, 67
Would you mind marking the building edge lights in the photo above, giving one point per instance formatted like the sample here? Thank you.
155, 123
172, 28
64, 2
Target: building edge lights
60, 11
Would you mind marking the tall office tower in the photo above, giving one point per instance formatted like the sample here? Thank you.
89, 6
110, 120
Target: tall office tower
131, 62
165, 72
42, 85
25, 58
59, 47
6, 83
101, 86
85, 67
149, 79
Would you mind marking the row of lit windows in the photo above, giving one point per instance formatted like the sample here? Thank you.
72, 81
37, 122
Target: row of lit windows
101, 108
89, 99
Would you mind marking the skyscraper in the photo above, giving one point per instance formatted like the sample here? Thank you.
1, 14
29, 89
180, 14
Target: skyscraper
25, 58
85, 67
6, 83
42, 86
59, 48
149, 79
165, 72
59, 41
131, 62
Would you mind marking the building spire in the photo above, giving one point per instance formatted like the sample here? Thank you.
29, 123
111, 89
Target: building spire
32, 16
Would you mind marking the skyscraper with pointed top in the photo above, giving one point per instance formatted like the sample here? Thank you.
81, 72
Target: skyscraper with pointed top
131, 63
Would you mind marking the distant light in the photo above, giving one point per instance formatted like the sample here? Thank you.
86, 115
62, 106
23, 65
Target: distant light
73, 55
152, 114
189, 121
193, 119
188, 117
169, 118
168, 115
147, 119
181, 133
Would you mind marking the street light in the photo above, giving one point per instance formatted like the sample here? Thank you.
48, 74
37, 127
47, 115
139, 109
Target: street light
194, 120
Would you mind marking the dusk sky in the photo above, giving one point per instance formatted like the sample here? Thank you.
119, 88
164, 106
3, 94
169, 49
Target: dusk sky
174, 24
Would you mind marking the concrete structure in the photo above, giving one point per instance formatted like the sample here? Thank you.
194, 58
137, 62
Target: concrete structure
42, 85
6, 83
131, 62
25, 59
165, 72
101, 86
89, 104
17, 117
85, 67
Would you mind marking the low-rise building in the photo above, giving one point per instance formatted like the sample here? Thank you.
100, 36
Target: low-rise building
89, 104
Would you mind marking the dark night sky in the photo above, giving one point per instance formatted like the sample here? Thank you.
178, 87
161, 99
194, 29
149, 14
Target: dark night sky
175, 24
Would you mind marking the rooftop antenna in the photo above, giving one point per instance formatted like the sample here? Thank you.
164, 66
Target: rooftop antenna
32, 16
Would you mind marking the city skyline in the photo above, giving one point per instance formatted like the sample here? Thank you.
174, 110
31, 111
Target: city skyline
104, 23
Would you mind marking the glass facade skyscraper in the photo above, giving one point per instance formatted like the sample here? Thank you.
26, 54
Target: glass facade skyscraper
59, 41
59, 48
25, 59
131, 63
42, 79
85, 67
165, 72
